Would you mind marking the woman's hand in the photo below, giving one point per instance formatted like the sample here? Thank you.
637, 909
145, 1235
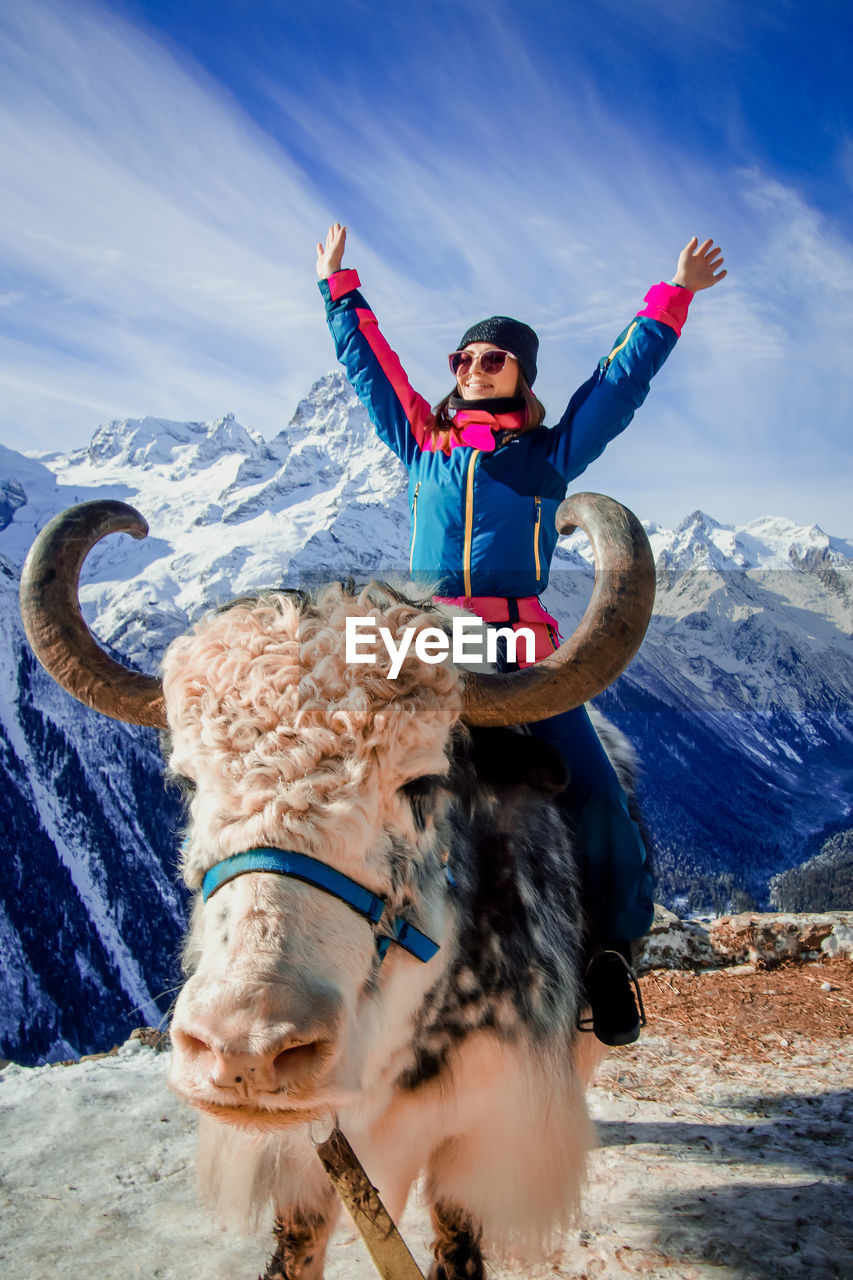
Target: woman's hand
330, 256
698, 268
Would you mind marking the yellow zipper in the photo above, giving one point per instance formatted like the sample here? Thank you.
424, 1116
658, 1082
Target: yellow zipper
623, 343
414, 526
537, 523
469, 521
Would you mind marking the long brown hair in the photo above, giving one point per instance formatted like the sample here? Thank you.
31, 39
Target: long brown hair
442, 427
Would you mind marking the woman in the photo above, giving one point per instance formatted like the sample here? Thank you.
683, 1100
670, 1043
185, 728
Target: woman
485, 480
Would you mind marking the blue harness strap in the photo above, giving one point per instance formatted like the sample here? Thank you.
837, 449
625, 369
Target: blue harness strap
409, 938
299, 866
285, 862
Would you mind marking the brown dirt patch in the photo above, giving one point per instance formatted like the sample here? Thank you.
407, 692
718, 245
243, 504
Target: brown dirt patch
753, 1013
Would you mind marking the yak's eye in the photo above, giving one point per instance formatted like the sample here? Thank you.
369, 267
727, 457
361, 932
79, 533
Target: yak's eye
423, 786
421, 794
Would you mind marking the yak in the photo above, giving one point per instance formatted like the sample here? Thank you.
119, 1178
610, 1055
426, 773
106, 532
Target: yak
387, 929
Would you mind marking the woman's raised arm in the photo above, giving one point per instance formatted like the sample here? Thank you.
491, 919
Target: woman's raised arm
402, 418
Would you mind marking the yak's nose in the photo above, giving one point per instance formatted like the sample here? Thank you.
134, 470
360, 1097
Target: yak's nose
261, 1061
253, 1038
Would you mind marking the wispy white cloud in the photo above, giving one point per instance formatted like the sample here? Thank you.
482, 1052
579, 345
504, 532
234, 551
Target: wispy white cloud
159, 245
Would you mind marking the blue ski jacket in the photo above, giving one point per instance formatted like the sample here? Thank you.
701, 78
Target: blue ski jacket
483, 509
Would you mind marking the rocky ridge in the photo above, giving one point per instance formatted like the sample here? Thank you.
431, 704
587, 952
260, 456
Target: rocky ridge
763, 940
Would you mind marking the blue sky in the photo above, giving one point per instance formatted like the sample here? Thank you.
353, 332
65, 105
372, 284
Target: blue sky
169, 167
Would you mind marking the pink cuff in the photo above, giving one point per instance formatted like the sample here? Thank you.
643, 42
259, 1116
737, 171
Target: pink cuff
667, 303
341, 282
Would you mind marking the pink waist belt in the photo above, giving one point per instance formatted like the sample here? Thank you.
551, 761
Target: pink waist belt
531, 613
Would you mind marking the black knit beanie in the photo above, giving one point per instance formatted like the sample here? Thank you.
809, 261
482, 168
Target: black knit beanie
512, 336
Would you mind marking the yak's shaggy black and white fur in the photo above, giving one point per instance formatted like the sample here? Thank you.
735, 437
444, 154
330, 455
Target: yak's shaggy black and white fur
514, 884
467, 1069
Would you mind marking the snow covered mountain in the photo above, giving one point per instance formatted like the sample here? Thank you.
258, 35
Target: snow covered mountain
91, 916
739, 702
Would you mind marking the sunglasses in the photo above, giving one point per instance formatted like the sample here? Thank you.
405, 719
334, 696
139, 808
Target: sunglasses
490, 361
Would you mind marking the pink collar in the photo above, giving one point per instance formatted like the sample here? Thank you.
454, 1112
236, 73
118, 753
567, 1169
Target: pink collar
476, 427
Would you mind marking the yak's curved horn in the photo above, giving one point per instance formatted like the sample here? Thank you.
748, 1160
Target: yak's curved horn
609, 634
60, 639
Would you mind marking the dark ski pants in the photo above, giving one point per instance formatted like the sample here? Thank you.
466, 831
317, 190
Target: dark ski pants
614, 863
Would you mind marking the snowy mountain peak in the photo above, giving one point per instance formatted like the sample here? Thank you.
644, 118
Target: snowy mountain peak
327, 393
770, 542
777, 543
699, 522
699, 542
147, 442
778, 529
332, 415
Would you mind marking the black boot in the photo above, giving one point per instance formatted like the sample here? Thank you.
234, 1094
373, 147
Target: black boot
611, 991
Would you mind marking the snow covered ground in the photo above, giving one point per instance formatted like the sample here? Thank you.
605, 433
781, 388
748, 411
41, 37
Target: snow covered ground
713, 1165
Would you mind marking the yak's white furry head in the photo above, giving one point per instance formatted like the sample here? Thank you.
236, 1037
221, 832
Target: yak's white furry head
288, 743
